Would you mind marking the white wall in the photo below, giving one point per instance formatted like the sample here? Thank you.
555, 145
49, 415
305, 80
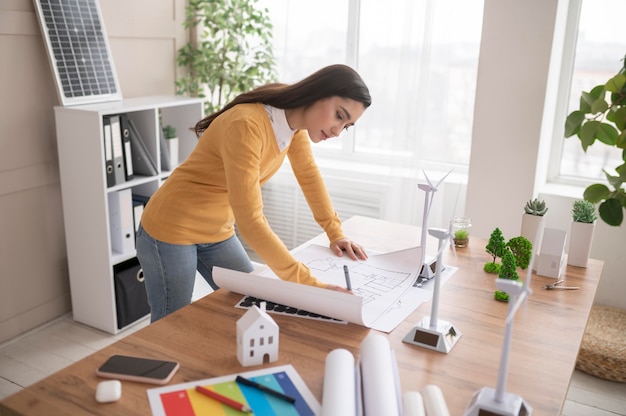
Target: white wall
144, 37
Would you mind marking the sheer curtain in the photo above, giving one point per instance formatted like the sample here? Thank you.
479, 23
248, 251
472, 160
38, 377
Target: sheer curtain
419, 59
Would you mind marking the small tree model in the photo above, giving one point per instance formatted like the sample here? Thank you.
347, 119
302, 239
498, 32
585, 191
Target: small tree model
495, 247
522, 250
508, 270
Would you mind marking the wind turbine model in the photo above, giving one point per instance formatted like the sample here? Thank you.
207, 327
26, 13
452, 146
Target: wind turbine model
498, 401
427, 271
431, 332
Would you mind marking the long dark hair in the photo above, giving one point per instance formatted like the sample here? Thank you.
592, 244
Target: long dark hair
334, 80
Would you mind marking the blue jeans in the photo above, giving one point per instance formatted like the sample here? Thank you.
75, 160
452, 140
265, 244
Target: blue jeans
170, 269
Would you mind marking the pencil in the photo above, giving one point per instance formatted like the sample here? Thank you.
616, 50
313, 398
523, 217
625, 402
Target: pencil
223, 399
264, 389
346, 273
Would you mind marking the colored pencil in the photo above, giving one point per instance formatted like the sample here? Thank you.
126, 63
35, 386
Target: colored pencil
264, 389
223, 399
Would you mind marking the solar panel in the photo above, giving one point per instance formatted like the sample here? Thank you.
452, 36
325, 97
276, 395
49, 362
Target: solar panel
78, 50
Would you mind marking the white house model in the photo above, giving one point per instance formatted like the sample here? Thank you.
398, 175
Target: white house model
257, 337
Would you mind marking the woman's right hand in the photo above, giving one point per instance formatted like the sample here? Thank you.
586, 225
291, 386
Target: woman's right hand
339, 289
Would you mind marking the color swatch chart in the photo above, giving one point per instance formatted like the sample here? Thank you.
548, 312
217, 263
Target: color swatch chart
184, 400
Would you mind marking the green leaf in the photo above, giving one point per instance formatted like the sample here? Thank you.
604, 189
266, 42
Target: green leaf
611, 212
616, 83
599, 106
587, 133
596, 193
586, 100
607, 134
618, 116
573, 123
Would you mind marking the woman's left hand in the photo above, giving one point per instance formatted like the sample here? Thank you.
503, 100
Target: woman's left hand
352, 249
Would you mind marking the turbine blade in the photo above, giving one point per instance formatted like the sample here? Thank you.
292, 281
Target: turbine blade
518, 302
444, 177
428, 180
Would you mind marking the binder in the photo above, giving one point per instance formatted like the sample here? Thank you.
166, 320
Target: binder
108, 152
118, 152
121, 221
144, 163
137, 212
128, 154
166, 163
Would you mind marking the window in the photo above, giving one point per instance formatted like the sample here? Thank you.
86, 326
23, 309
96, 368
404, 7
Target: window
419, 60
597, 57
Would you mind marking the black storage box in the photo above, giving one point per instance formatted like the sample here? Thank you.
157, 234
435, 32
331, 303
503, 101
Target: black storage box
131, 300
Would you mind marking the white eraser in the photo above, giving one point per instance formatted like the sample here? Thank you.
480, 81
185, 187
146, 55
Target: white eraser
108, 391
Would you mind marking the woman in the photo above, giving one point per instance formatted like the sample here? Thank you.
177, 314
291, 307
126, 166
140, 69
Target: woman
188, 224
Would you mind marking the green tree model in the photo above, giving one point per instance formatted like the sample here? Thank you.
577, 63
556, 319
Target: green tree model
522, 250
507, 271
495, 247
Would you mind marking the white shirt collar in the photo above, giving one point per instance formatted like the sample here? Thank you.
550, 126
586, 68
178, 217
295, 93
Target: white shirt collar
281, 128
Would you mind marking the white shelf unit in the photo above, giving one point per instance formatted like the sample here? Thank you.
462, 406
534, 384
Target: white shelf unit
80, 143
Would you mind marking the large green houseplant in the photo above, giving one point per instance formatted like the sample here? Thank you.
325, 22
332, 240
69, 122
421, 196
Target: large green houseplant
602, 117
230, 50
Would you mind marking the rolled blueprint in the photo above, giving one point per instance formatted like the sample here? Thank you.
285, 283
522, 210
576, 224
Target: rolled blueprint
412, 404
379, 377
434, 402
339, 394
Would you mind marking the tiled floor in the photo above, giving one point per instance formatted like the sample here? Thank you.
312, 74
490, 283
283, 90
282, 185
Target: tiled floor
43, 351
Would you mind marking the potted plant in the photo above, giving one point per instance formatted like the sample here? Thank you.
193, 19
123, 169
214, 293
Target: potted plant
581, 232
602, 117
172, 143
232, 54
533, 221
461, 238
461, 229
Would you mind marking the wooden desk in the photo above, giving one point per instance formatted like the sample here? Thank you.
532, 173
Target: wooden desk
546, 338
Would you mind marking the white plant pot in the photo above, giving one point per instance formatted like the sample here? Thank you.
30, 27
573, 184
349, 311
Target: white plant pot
532, 229
172, 148
580, 239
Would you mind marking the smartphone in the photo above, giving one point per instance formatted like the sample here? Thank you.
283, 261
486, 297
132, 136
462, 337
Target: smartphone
143, 370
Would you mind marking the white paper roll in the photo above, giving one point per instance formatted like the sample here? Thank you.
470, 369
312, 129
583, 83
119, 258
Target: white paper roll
434, 402
380, 396
412, 404
339, 393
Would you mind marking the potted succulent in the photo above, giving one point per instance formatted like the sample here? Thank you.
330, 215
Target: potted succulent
581, 232
172, 143
601, 117
533, 221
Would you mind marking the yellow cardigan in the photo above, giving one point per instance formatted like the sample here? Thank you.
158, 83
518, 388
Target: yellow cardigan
220, 183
